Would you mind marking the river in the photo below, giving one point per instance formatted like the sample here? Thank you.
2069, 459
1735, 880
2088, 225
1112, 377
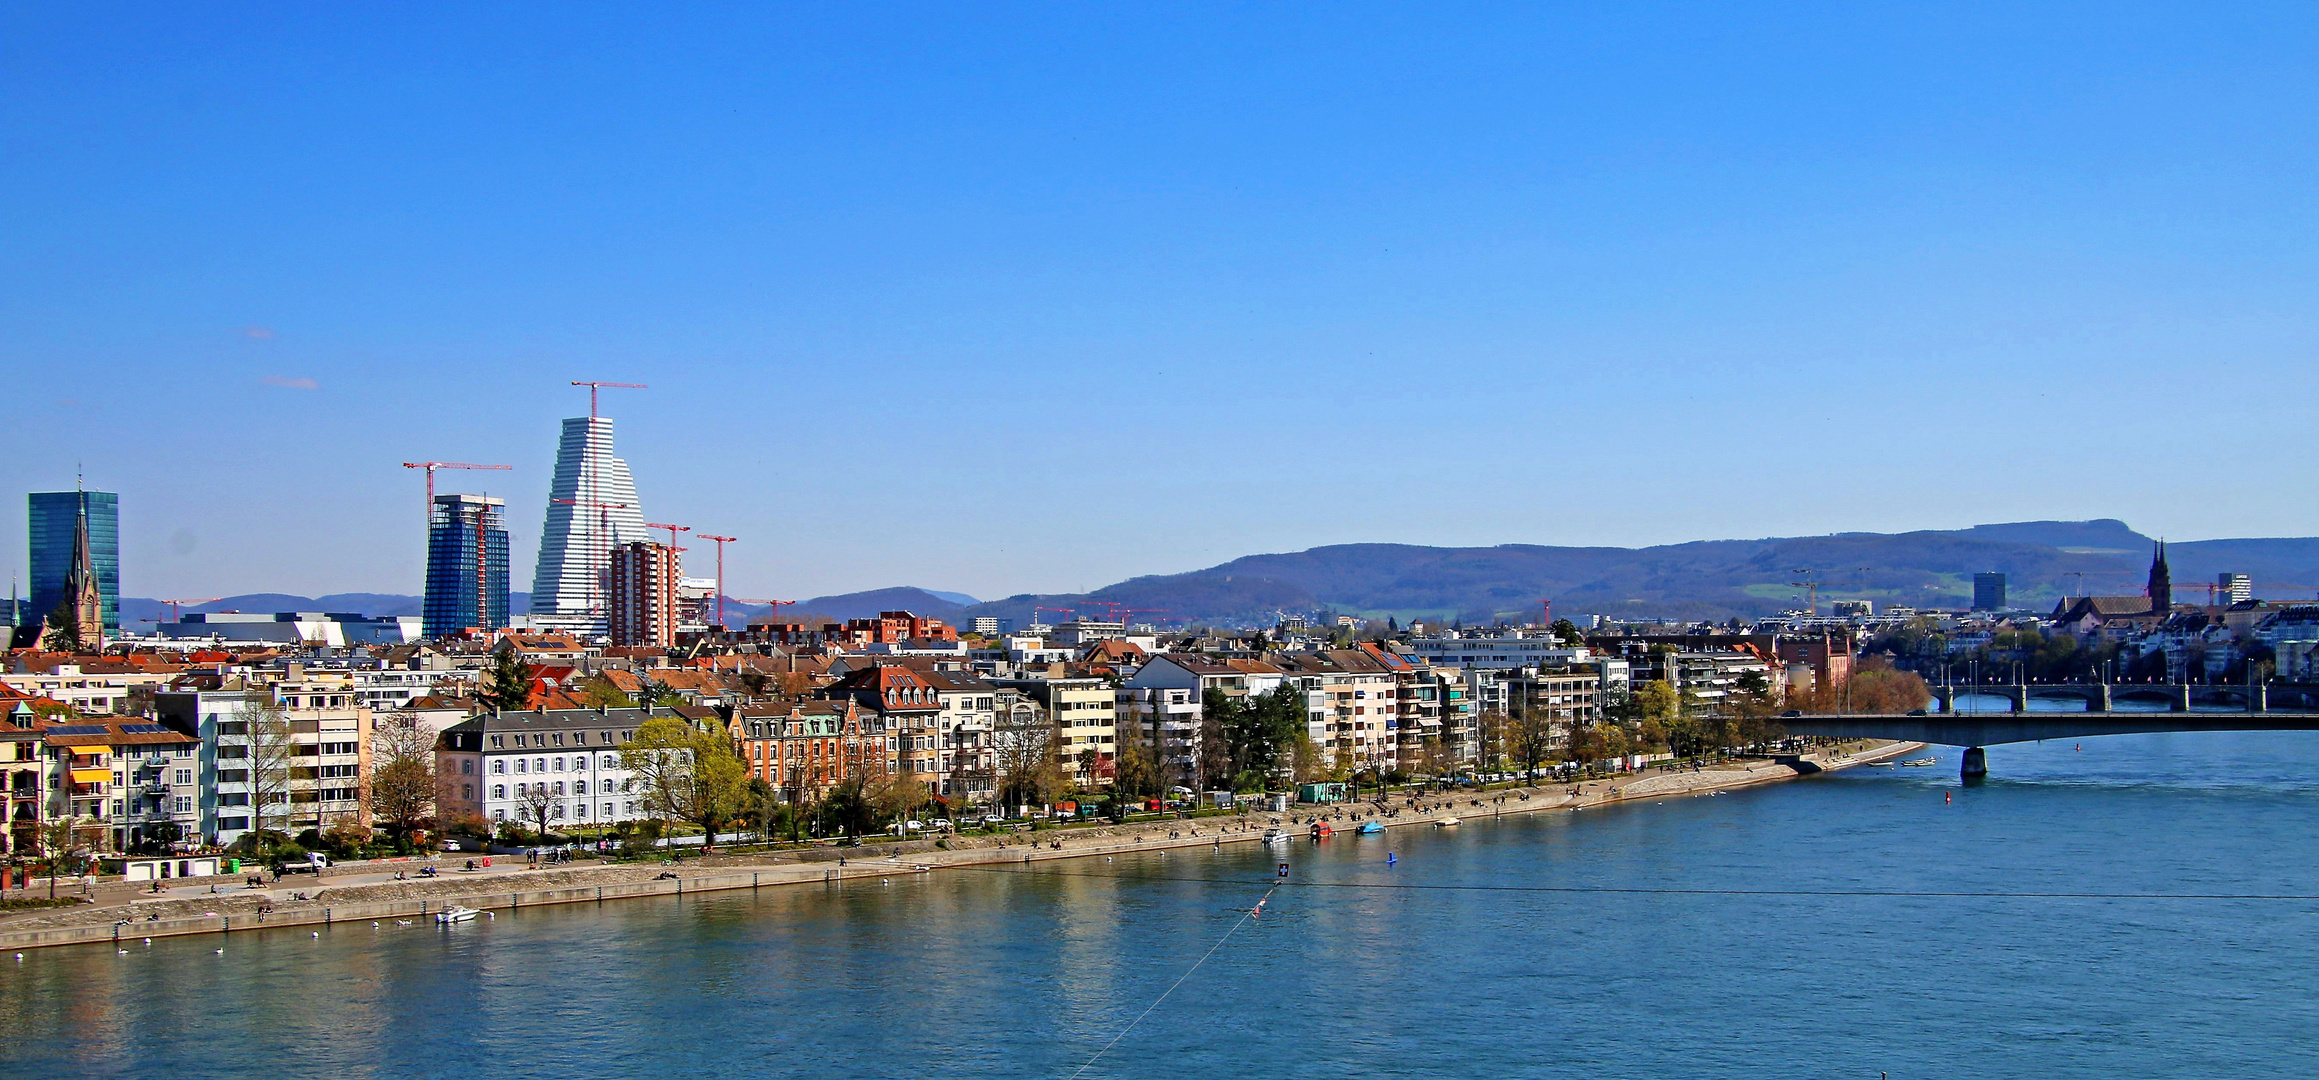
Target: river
1786, 930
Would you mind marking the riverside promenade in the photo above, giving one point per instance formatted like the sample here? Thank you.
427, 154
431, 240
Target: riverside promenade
373, 893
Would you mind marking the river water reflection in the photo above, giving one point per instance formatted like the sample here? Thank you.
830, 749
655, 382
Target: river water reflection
1458, 958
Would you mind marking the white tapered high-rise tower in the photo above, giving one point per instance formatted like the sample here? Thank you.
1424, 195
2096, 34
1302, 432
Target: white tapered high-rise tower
592, 507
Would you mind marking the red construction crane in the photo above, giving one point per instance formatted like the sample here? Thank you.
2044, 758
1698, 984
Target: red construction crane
721, 542
431, 466
173, 615
595, 385
672, 531
1035, 611
776, 605
1129, 613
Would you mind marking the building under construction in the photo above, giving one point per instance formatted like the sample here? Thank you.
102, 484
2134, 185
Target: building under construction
466, 565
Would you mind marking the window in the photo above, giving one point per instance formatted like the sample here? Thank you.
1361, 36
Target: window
539, 764
185, 776
559, 764
581, 812
559, 738
610, 762
234, 798
520, 765
499, 791
467, 766
559, 787
467, 792
184, 804
607, 809
579, 787
233, 776
499, 815
499, 767
498, 742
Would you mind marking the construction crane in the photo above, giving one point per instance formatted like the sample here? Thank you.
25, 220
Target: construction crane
1129, 613
595, 385
776, 605
1812, 594
672, 531
431, 466
721, 542
1064, 610
173, 605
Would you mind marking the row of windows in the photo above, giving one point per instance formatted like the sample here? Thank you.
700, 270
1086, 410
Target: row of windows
579, 738
579, 787
540, 765
580, 812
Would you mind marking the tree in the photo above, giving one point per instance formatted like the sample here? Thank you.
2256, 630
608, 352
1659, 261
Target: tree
599, 691
273, 752
1493, 732
402, 773
658, 756
1024, 743
507, 683
534, 803
1533, 738
686, 773
1136, 770
1259, 731
1566, 633
64, 629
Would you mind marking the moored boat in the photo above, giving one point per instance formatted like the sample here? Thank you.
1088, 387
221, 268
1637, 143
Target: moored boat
1369, 828
1445, 823
456, 913
1276, 836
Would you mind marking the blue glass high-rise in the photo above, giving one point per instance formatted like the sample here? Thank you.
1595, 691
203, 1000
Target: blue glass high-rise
466, 565
54, 525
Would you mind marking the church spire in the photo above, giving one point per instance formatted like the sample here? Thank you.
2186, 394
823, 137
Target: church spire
2161, 582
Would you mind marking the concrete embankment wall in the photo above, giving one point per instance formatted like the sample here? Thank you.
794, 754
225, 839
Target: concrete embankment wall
1111, 841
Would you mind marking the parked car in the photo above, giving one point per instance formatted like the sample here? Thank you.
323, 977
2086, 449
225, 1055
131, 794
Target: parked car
940, 824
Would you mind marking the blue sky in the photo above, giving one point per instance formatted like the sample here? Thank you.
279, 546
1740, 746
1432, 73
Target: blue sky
1006, 298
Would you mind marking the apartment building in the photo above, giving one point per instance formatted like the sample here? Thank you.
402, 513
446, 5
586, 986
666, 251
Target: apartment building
805, 748
499, 764
968, 768
1086, 717
308, 771
135, 780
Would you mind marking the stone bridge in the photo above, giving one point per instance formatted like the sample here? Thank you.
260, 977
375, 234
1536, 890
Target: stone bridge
2104, 696
1976, 730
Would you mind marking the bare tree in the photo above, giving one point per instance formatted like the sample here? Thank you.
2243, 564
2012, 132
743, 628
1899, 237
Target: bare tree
1026, 742
402, 772
534, 803
273, 752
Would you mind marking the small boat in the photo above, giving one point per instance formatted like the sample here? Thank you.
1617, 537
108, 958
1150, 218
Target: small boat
1369, 828
1445, 823
1275, 836
456, 913
1882, 764
1922, 762
1321, 830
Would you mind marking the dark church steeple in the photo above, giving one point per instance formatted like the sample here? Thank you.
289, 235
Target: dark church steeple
2161, 582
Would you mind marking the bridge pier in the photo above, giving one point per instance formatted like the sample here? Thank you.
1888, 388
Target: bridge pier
2018, 697
2101, 701
1944, 699
1976, 764
2178, 697
2258, 697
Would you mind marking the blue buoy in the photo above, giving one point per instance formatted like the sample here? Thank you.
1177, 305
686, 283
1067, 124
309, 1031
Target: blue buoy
1391, 858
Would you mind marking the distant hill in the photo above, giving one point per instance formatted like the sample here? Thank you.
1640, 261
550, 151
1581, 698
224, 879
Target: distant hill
1717, 579
1703, 579
141, 609
856, 605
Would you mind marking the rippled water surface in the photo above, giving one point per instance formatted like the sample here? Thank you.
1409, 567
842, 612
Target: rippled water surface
1789, 930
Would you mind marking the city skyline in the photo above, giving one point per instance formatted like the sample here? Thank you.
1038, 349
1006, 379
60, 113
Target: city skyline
1880, 260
